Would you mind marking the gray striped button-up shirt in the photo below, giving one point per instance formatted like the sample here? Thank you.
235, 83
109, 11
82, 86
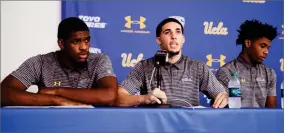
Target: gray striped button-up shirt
181, 81
46, 71
257, 82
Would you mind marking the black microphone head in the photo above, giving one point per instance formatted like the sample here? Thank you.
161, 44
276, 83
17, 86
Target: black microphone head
160, 58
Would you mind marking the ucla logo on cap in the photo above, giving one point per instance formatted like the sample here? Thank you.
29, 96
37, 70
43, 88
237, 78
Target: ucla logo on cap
180, 19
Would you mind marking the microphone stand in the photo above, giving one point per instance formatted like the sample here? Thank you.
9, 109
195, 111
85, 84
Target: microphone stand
158, 75
158, 85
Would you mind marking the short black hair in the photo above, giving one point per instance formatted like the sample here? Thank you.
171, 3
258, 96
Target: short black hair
253, 30
69, 25
165, 21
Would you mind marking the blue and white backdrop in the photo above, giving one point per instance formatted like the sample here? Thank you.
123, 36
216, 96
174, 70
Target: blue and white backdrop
125, 30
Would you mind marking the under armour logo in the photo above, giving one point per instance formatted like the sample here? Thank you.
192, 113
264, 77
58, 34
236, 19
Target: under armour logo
242, 80
211, 60
56, 83
140, 22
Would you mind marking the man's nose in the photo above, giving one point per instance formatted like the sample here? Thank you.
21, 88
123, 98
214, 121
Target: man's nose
265, 52
83, 46
173, 36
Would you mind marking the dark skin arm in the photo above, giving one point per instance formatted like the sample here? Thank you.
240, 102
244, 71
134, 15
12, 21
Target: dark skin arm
13, 93
105, 94
270, 102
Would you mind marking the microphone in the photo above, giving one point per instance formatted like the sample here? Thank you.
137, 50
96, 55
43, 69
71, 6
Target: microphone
160, 58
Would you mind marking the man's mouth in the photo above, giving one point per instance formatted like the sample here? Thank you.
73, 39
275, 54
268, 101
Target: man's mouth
263, 58
83, 56
173, 45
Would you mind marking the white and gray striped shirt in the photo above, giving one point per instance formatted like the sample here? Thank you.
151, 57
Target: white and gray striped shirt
257, 82
46, 71
181, 81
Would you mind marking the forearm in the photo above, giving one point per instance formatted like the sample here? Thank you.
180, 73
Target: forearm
129, 100
94, 96
13, 97
270, 102
272, 105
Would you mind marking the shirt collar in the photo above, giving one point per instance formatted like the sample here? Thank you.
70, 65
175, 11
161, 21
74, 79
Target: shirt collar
178, 65
243, 62
68, 67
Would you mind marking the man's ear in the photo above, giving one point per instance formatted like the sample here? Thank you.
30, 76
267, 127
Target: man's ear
158, 41
247, 43
60, 43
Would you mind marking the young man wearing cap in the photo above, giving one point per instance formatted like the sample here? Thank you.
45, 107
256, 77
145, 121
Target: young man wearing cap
182, 77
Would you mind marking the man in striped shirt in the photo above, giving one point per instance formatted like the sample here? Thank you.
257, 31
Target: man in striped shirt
258, 82
71, 76
182, 78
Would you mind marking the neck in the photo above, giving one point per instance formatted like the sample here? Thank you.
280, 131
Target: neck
246, 57
174, 58
65, 60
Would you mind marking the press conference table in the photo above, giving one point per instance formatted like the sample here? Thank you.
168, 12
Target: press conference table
141, 120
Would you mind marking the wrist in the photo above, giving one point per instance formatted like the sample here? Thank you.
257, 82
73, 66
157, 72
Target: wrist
141, 99
56, 100
57, 91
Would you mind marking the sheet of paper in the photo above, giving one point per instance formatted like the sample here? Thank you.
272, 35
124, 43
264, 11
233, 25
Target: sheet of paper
193, 107
49, 106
